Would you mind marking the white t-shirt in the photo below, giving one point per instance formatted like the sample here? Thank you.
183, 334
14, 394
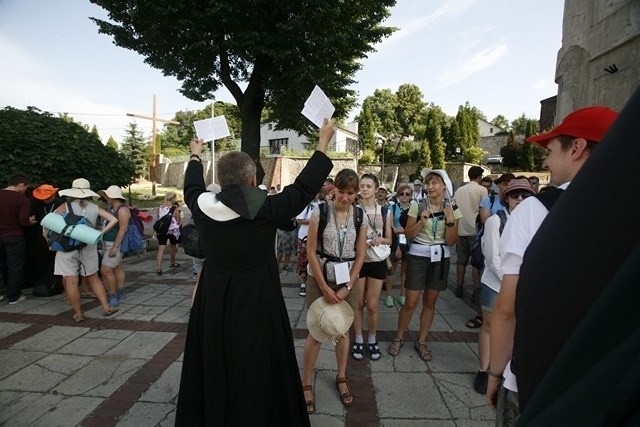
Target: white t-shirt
523, 224
303, 229
492, 272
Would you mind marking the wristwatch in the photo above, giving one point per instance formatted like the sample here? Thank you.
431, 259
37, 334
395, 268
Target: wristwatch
449, 224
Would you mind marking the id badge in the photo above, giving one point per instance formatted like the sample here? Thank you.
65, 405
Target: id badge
342, 272
436, 253
402, 239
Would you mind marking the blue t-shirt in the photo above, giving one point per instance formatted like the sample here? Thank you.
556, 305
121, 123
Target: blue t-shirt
495, 207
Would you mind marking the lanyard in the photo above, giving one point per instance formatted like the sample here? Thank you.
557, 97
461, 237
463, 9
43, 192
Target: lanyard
341, 230
375, 212
434, 220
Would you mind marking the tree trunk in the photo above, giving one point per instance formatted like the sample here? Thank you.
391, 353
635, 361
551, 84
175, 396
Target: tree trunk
250, 114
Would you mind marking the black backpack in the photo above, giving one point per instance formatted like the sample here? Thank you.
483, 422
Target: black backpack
191, 241
477, 257
358, 215
161, 226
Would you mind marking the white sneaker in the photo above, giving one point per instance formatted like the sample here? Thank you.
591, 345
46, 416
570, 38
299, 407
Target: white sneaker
303, 290
19, 300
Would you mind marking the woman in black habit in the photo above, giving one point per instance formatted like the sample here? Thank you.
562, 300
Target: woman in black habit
239, 363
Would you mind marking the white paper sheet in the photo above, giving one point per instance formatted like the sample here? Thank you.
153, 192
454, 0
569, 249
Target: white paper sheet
211, 129
318, 107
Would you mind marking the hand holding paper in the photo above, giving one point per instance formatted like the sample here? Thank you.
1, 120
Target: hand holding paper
318, 107
211, 129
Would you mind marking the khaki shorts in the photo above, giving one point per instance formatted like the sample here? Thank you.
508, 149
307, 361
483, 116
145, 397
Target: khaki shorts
422, 274
83, 262
314, 292
463, 249
112, 262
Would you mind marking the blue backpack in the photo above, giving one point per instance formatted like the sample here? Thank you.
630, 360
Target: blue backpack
62, 242
133, 242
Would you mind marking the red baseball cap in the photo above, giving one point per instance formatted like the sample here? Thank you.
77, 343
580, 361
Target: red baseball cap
590, 123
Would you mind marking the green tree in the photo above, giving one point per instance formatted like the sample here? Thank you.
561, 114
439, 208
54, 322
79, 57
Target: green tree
136, 150
409, 110
511, 152
520, 124
111, 143
454, 142
56, 151
526, 157
433, 134
502, 122
467, 119
94, 130
366, 130
280, 49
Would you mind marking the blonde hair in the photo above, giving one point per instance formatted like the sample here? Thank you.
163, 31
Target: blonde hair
169, 196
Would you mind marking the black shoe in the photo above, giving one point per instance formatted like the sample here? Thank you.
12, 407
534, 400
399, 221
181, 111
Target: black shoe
357, 351
480, 383
459, 292
474, 296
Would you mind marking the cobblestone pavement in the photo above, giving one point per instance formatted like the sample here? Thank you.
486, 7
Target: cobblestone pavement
124, 370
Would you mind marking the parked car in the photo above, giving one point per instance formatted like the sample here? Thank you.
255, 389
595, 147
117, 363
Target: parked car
494, 159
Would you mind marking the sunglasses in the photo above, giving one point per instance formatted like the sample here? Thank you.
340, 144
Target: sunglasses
404, 194
519, 194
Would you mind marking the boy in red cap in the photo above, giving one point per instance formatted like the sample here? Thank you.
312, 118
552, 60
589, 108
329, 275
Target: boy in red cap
569, 146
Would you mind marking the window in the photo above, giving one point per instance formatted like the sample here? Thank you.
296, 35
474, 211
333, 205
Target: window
277, 146
490, 130
270, 126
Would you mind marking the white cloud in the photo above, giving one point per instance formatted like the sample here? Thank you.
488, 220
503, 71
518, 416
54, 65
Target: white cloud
478, 62
405, 29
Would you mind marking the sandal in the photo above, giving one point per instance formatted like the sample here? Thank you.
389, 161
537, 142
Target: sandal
396, 345
347, 394
474, 323
78, 317
110, 311
311, 405
374, 351
87, 294
423, 351
357, 351
159, 272
175, 264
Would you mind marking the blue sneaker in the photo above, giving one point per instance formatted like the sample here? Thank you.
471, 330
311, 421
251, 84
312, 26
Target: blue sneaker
122, 295
113, 300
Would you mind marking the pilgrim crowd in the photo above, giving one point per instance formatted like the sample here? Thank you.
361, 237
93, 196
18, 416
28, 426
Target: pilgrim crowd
350, 234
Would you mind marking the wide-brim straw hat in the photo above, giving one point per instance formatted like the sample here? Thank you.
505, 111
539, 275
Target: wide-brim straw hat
113, 192
327, 321
44, 191
80, 189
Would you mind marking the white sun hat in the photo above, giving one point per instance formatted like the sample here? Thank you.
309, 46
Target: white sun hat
327, 321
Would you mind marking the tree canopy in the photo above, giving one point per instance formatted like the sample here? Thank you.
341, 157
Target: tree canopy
279, 48
56, 151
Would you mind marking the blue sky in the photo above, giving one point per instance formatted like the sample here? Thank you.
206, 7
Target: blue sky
499, 55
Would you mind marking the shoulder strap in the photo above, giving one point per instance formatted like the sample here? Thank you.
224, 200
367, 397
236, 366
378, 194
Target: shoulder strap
549, 197
503, 219
358, 216
383, 213
492, 199
322, 224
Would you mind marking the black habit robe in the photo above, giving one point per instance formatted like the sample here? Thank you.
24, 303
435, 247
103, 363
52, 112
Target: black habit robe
239, 363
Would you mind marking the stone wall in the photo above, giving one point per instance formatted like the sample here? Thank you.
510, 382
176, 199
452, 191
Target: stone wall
597, 35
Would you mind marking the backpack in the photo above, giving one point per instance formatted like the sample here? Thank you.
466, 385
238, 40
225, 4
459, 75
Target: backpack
477, 257
358, 215
161, 226
62, 242
492, 200
191, 241
133, 242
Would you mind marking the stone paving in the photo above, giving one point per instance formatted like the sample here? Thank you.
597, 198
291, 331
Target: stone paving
124, 370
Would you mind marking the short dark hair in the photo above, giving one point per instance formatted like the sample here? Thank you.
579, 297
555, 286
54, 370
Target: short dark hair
329, 180
475, 172
567, 141
347, 179
487, 179
17, 179
236, 167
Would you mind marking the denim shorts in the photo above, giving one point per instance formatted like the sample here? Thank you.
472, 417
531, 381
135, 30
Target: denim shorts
488, 297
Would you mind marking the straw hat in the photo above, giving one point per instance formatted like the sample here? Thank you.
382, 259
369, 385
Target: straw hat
327, 321
113, 192
80, 189
44, 191
521, 184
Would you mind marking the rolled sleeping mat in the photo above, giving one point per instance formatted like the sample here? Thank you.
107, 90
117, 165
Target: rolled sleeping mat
81, 232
